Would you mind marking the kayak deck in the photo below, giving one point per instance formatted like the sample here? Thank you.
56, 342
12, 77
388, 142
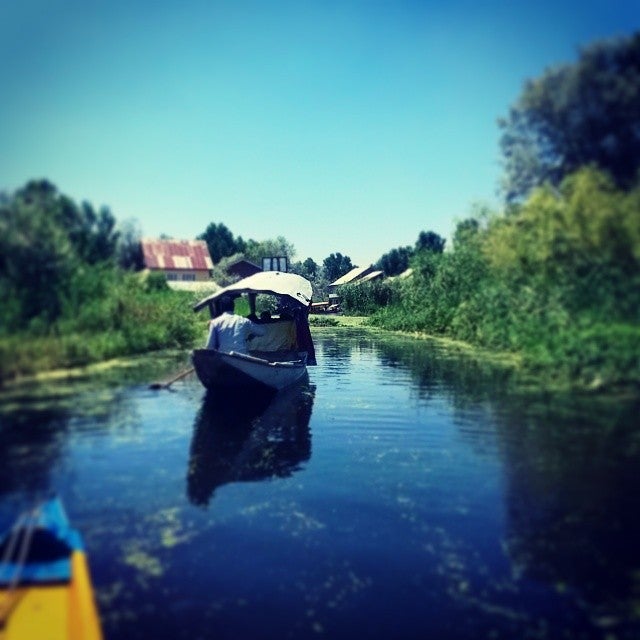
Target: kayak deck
45, 587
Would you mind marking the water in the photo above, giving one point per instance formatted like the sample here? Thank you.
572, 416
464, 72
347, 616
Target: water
405, 491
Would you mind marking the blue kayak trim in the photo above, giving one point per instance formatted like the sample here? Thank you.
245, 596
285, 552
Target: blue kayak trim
51, 527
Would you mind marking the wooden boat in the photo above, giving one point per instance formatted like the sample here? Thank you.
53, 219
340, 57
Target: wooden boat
45, 587
280, 357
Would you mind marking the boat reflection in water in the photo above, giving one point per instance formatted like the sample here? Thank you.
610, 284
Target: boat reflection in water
248, 439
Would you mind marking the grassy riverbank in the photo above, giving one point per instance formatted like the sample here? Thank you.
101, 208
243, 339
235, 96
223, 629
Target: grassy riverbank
129, 315
534, 377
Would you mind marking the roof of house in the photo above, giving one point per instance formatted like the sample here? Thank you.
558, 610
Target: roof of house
371, 276
245, 261
350, 276
243, 268
176, 254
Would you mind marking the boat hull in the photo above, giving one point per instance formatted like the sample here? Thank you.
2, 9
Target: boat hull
217, 369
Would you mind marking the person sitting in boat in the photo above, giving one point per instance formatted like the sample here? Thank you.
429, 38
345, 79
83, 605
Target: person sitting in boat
231, 332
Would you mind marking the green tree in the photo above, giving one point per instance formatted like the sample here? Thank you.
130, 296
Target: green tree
129, 249
36, 261
336, 265
466, 231
44, 238
587, 113
395, 261
308, 269
582, 239
430, 241
95, 236
221, 242
276, 247
91, 234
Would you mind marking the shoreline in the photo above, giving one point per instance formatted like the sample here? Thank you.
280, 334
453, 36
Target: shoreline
530, 378
539, 380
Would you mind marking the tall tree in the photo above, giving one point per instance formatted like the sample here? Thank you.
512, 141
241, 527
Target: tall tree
430, 241
221, 242
92, 234
587, 113
395, 261
129, 250
336, 265
308, 269
37, 257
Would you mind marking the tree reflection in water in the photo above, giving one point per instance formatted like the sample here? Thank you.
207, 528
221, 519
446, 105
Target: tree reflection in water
570, 464
248, 438
573, 503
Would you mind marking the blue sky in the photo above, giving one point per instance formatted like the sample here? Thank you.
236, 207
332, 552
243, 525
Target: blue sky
343, 126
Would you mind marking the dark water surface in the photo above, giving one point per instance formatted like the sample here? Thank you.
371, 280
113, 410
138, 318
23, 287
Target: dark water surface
404, 492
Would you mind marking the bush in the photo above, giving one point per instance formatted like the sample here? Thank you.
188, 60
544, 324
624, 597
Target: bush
367, 297
112, 313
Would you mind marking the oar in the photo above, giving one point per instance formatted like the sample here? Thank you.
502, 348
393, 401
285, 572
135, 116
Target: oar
168, 383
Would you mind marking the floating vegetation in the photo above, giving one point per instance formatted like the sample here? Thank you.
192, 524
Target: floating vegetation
145, 563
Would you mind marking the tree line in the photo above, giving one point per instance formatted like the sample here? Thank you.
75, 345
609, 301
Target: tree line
225, 248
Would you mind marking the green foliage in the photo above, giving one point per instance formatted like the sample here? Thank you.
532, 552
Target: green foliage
466, 232
430, 241
367, 297
156, 281
280, 246
129, 249
44, 240
310, 268
584, 238
395, 261
575, 115
307, 269
223, 246
315, 274
219, 272
556, 280
65, 302
336, 265
118, 316
221, 242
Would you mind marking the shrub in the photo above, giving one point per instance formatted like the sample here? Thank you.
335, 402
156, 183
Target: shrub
366, 298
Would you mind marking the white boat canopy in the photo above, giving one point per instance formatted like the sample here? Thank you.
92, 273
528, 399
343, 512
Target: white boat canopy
276, 283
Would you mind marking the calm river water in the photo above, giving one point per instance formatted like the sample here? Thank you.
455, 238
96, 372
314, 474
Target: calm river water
404, 492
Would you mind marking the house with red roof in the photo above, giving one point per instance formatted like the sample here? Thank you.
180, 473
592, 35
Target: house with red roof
179, 260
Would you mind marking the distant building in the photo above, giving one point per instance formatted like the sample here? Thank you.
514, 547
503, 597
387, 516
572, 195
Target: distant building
243, 268
373, 275
353, 276
179, 260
